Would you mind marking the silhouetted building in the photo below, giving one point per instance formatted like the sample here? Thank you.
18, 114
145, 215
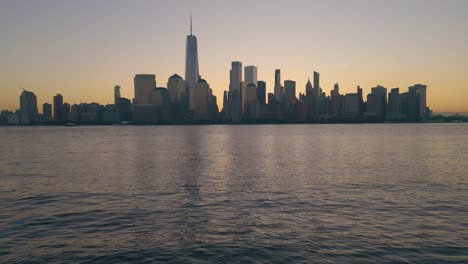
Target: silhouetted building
420, 89
289, 93
191, 66
309, 89
201, 100
410, 103
278, 89
317, 93
394, 108
116, 101
176, 87
58, 108
234, 109
261, 92
351, 105
377, 102
28, 107
125, 109
47, 110
144, 85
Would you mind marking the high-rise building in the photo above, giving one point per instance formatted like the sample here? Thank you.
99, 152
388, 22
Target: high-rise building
47, 110
289, 92
377, 101
144, 85
234, 97
117, 101
394, 101
191, 65
58, 108
176, 88
261, 92
278, 88
420, 89
235, 76
201, 100
250, 74
309, 88
410, 105
28, 104
317, 93
336, 88
351, 105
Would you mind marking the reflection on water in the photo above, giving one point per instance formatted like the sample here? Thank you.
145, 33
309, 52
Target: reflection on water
280, 193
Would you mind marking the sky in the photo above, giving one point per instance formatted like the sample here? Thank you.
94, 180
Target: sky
82, 49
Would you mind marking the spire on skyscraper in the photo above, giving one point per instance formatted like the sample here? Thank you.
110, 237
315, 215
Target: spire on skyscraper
190, 24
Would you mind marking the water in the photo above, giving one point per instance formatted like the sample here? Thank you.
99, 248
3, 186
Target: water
265, 194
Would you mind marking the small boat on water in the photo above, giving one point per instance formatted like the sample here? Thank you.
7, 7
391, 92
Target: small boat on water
69, 124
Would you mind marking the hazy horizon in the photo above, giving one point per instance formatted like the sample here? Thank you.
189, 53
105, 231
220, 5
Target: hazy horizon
83, 49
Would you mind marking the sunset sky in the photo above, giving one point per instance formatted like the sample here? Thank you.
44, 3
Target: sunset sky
83, 48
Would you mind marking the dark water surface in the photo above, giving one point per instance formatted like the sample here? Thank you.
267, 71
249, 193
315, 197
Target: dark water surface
243, 194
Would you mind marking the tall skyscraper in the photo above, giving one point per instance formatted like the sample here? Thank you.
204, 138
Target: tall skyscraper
309, 88
47, 110
250, 74
201, 100
58, 107
176, 88
378, 101
420, 90
28, 104
117, 101
234, 98
235, 76
278, 88
394, 101
317, 93
261, 92
191, 65
289, 92
144, 85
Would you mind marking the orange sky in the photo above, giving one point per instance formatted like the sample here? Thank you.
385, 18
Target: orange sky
82, 49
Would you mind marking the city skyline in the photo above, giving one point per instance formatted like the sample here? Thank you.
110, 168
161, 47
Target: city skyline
215, 68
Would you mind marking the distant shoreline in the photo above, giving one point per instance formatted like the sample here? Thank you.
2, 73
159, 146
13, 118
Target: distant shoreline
465, 120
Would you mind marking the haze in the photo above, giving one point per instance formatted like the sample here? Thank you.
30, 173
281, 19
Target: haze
81, 49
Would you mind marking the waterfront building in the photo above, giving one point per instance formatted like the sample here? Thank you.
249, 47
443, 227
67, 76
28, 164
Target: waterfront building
58, 108
47, 110
191, 66
278, 89
261, 92
420, 89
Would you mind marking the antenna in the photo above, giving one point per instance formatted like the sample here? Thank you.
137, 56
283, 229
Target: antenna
190, 23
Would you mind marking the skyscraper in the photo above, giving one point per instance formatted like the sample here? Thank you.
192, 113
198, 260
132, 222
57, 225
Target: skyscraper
250, 74
378, 101
420, 90
47, 110
144, 85
191, 65
176, 88
309, 88
58, 107
289, 92
261, 92
394, 101
317, 93
278, 88
28, 104
234, 98
117, 101
235, 76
